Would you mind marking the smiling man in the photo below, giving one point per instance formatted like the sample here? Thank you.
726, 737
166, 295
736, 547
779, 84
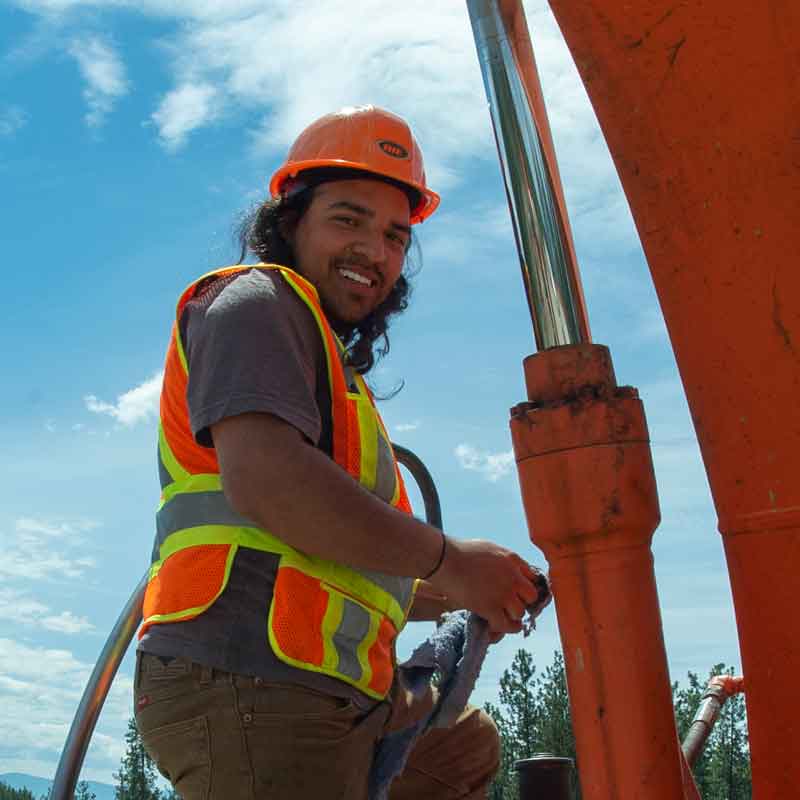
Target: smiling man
286, 559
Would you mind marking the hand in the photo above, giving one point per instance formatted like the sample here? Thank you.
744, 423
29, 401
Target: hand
488, 579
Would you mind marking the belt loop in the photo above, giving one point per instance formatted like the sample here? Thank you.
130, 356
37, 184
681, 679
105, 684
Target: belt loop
206, 675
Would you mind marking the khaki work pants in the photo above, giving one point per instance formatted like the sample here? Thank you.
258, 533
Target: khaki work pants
219, 736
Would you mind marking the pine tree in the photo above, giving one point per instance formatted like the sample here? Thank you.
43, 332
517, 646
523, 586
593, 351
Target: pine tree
83, 792
136, 779
533, 717
8, 793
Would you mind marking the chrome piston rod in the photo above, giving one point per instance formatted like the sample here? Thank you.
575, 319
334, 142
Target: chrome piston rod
533, 188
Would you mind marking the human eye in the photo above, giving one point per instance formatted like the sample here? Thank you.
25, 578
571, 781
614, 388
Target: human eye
396, 239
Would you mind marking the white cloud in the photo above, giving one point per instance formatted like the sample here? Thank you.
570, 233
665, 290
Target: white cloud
40, 688
17, 607
184, 109
66, 622
104, 73
40, 549
135, 405
12, 119
492, 466
417, 58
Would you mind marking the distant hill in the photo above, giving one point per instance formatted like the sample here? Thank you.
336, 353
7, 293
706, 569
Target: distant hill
39, 786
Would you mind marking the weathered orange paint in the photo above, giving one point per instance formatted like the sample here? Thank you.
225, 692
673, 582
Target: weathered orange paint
589, 492
700, 106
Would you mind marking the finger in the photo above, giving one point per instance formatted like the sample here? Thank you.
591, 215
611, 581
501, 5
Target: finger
515, 611
526, 590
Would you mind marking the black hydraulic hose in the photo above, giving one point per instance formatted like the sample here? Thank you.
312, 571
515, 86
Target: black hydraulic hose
424, 480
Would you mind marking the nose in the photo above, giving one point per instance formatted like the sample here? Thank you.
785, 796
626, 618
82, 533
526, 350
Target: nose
371, 245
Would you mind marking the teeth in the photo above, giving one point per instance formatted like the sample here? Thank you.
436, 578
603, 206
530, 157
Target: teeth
354, 276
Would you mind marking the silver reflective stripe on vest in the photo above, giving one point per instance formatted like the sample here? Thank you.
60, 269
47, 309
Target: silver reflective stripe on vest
397, 586
352, 630
193, 509
385, 477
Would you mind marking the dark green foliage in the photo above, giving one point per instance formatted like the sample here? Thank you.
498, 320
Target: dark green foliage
533, 716
83, 792
136, 779
7, 793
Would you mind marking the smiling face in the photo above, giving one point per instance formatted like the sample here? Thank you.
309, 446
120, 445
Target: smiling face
351, 244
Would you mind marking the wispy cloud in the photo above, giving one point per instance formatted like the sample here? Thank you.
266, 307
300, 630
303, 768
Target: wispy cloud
12, 119
428, 73
104, 73
183, 110
136, 405
39, 691
18, 607
492, 466
40, 549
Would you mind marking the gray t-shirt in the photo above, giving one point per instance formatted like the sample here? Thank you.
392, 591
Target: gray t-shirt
252, 345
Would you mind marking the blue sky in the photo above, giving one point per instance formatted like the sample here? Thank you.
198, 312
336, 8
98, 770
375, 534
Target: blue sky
132, 134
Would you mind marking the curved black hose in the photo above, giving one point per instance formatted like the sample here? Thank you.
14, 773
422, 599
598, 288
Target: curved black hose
424, 480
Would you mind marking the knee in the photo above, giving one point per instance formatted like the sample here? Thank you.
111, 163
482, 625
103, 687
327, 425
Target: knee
487, 743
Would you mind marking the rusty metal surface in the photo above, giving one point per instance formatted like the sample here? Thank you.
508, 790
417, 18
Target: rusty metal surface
700, 106
591, 504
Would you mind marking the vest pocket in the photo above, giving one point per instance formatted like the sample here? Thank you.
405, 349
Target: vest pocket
186, 583
317, 626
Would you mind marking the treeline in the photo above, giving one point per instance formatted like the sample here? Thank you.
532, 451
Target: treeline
533, 717
82, 792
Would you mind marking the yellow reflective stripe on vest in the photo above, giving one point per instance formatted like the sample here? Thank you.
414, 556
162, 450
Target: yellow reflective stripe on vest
167, 458
203, 482
254, 538
330, 624
291, 279
369, 440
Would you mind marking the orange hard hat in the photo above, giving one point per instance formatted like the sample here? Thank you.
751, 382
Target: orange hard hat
363, 138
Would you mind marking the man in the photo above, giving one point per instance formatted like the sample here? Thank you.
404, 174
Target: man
286, 557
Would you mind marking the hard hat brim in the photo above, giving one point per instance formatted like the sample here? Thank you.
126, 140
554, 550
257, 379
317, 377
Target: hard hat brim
430, 200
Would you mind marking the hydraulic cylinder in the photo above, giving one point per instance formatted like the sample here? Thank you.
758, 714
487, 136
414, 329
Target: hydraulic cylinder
586, 474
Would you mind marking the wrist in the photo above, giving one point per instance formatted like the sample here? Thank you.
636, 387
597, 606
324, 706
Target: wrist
442, 554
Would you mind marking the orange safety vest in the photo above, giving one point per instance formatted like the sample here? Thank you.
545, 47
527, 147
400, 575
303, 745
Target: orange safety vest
325, 617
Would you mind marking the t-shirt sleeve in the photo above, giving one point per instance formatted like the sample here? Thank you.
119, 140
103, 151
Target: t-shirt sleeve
251, 345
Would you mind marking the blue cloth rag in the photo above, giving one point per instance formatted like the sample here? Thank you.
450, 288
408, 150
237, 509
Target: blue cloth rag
455, 654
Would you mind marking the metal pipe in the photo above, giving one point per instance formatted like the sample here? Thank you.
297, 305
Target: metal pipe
94, 695
544, 777
533, 187
96, 691
719, 689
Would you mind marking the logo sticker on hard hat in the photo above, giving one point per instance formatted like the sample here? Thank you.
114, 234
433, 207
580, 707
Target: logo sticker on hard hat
393, 149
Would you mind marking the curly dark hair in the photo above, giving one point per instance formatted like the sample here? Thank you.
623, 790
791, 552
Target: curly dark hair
259, 232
